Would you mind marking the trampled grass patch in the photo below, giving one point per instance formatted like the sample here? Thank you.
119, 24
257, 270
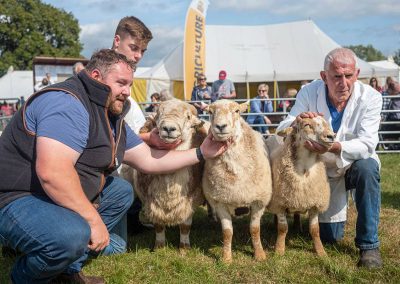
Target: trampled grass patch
202, 264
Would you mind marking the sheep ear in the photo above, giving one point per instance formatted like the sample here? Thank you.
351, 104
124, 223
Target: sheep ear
285, 132
197, 122
244, 106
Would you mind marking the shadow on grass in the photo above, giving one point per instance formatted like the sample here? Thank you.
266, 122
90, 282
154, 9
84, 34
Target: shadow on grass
391, 199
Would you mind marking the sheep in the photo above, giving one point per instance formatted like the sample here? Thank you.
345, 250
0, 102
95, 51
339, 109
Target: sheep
299, 177
171, 199
241, 177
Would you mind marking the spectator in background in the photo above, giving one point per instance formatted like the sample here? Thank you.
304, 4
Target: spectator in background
6, 109
78, 67
222, 88
373, 82
303, 83
165, 95
258, 107
387, 82
42, 84
48, 77
393, 105
155, 98
200, 93
286, 105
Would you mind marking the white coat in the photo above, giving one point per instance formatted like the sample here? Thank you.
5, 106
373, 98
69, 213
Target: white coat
358, 136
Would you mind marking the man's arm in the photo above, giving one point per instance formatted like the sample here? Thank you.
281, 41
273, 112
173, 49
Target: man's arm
55, 168
150, 160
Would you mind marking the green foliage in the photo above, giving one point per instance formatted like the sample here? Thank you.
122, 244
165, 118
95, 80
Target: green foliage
396, 57
202, 264
30, 28
367, 53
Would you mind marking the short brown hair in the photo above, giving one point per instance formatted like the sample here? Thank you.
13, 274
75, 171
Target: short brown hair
104, 59
135, 28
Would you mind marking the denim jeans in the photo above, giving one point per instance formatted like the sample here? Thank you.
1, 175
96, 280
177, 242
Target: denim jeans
256, 124
53, 239
363, 177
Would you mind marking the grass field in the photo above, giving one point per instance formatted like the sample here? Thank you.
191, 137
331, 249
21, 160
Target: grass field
202, 264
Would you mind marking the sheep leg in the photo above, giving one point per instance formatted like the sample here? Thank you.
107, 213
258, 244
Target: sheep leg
256, 214
184, 234
160, 236
282, 231
227, 233
314, 232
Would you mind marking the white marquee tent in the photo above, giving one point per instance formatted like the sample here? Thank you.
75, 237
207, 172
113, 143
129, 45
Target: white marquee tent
280, 52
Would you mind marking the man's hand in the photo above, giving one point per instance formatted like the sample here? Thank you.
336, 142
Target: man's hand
315, 147
308, 114
156, 142
211, 148
99, 236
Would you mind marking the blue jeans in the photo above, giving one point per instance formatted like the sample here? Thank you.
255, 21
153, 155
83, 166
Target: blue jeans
256, 124
363, 176
53, 239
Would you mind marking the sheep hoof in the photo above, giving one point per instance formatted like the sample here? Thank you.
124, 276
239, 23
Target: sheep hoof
280, 251
321, 253
260, 255
227, 259
159, 245
184, 246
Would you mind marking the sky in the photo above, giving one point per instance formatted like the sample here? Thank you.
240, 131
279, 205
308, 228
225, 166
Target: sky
348, 22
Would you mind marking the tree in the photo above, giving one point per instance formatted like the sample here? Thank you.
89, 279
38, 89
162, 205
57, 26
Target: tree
396, 57
30, 28
367, 53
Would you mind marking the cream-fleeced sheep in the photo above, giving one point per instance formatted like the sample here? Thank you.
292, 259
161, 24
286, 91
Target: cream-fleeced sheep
170, 199
300, 182
240, 177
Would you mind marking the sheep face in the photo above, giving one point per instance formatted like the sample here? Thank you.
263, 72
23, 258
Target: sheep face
312, 129
176, 120
225, 118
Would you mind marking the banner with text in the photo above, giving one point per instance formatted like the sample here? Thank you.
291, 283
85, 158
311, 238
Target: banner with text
194, 46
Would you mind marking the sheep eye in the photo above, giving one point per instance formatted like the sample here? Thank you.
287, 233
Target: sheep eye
237, 111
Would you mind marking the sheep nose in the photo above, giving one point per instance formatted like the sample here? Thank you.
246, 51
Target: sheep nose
169, 129
330, 137
220, 126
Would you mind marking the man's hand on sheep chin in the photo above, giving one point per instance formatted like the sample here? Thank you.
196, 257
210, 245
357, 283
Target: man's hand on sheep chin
156, 142
211, 148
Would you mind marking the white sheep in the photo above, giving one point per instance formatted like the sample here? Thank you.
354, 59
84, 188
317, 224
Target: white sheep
171, 199
300, 182
241, 177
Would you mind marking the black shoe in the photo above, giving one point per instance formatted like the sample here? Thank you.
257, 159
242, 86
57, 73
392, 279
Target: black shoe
8, 252
78, 278
370, 259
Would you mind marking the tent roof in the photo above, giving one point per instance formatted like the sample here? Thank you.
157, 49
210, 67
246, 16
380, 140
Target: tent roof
15, 84
282, 52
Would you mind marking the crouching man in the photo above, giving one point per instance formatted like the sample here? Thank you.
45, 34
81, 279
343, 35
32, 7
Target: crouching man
353, 110
58, 202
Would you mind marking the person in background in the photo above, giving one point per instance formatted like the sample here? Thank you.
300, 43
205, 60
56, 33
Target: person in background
373, 82
222, 88
78, 67
42, 84
165, 95
155, 99
392, 104
58, 199
200, 93
48, 77
258, 107
286, 105
131, 39
353, 111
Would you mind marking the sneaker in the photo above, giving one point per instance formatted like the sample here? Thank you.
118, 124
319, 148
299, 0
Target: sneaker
370, 259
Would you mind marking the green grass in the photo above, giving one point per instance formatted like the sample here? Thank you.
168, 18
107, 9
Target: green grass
202, 264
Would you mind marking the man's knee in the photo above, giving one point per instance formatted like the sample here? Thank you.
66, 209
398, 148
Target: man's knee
366, 168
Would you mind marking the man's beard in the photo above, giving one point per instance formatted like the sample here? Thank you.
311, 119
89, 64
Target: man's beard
113, 108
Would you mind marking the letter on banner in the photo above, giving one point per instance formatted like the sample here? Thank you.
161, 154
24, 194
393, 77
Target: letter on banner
194, 46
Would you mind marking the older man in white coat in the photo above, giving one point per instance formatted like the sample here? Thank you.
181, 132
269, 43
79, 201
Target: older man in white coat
353, 110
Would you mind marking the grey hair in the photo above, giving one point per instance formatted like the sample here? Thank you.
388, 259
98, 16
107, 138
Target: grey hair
341, 55
165, 95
